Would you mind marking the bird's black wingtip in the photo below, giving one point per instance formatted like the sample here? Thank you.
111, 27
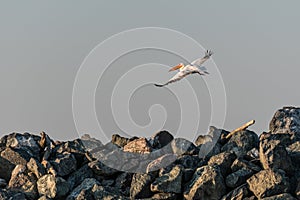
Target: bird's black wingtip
158, 85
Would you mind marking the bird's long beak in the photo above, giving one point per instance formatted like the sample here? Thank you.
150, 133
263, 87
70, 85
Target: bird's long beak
175, 68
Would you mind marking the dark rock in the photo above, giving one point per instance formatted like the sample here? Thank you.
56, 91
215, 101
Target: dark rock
224, 160
140, 186
297, 191
123, 182
64, 164
211, 148
79, 175
12, 195
100, 192
238, 193
267, 183
294, 153
161, 139
35, 167
90, 143
6, 167
182, 146
23, 181
273, 155
238, 177
252, 155
187, 175
52, 187
286, 120
244, 164
161, 162
241, 142
101, 169
188, 161
121, 141
83, 190
207, 183
3, 183
284, 196
169, 182
140, 145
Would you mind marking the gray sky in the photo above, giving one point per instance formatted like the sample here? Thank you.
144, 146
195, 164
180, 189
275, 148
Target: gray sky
42, 45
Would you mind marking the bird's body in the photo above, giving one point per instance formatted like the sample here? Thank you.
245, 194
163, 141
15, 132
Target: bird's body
185, 70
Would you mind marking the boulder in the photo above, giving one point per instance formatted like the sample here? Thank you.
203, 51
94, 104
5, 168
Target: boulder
64, 164
239, 193
241, 142
23, 181
170, 182
268, 183
140, 185
161, 139
77, 177
140, 145
224, 161
52, 187
207, 183
238, 177
121, 141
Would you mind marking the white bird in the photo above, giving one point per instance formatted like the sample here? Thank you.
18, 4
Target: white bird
192, 68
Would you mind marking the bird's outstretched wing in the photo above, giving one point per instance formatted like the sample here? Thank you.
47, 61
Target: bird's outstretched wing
175, 78
200, 61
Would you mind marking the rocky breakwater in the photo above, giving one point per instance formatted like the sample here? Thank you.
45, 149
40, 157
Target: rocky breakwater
243, 166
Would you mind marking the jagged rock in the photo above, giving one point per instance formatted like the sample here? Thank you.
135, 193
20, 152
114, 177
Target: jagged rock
52, 187
169, 182
294, 153
64, 164
161, 162
83, 190
238, 193
140, 186
181, 146
23, 181
99, 192
6, 167
12, 195
252, 155
188, 161
207, 183
161, 139
203, 139
267, 183
224, 160
15, 156
90, 143
121, 141
25, 141
212, 148
284, 196
79, 175
187, 174
297, 191
273, 155
3, 183
286, 120
123, 182
35, 167
165, 196
241, 142
140, 145
244, 164
101, 169
238, 177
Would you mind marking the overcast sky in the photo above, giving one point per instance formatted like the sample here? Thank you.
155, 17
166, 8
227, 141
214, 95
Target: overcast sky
43, 44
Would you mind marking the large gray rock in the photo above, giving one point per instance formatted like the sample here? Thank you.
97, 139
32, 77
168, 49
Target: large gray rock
268, 183
207, 183
272, 150
286, 120
23, 181
223, 160
140, 185
170, 182
52, 187
241, 142
64, 164
239, 193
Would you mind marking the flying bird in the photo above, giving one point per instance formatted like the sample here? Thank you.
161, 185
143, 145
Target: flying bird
192, 68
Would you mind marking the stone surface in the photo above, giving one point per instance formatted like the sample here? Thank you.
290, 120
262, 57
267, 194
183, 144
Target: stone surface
203, 139
241, 142
165, 196
140, 186
100, 169
181, 146
161, 162
268, 183
83, 190
284, 196
238, 193
23, 181
238, 177
223, 160
140, 145
52, 187
207, 183
170, 182
161, 139
121, 141
35, 167
64, 164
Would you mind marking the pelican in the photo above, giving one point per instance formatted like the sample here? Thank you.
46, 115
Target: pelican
192, 68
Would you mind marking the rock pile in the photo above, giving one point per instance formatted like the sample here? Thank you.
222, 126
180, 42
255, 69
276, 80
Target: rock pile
243, 166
